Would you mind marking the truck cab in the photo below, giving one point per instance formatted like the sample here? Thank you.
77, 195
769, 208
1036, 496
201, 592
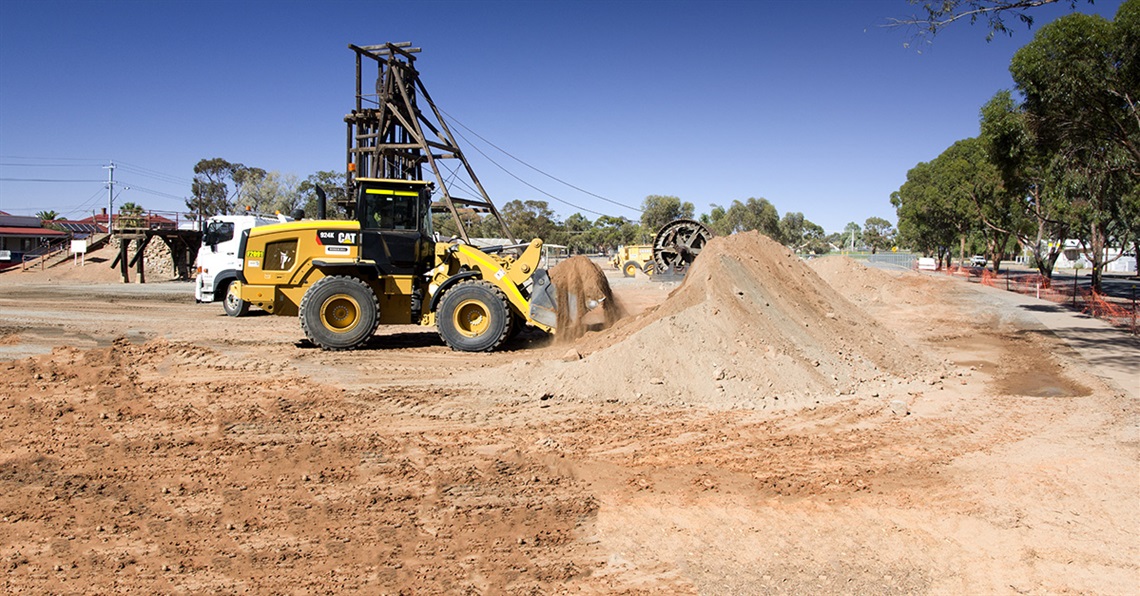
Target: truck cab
219, 262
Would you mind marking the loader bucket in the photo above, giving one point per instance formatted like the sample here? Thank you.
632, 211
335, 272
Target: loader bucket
576, 286
543, 300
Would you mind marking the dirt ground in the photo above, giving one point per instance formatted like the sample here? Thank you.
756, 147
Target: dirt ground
768, 427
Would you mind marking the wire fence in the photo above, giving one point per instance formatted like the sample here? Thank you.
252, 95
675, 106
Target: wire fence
1118, 306
900, 260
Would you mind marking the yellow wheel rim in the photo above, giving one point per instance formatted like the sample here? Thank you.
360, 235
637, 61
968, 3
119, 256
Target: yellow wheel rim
471, 318
340, 313
631, 270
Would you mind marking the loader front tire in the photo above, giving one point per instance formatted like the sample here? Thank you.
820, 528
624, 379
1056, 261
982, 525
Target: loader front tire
232, 304
630, 268
473, 316
339, 313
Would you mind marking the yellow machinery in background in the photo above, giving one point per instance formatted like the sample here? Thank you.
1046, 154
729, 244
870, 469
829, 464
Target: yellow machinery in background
632, 258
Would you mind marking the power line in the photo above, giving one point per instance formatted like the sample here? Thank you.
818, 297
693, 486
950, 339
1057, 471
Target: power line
151, 191
153, 173
552, 177
91, 159
512, 175
46, 180
40, 165
82, 207
130, 167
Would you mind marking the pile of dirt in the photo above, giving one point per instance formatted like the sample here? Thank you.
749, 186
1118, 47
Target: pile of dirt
579, 282
865, 285
752, 326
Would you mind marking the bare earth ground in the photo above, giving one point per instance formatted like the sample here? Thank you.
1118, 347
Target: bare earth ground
761, 431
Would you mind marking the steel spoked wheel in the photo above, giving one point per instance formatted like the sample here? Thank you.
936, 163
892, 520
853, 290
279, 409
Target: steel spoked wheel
339, 313
678, 244
473, 316
232, 304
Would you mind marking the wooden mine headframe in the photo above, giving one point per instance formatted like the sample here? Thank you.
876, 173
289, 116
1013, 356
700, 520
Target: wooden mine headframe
389, 136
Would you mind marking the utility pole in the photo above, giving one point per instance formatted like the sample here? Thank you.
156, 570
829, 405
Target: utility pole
110, 194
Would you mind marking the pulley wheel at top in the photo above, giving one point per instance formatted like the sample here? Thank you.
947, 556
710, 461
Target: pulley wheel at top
677, 245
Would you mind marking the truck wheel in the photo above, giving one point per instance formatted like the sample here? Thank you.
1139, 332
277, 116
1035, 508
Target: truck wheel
234, 306
473, 316
339, 313
630, 268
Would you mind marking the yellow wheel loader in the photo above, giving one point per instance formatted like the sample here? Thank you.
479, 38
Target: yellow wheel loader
344, 278
632, 258
385, 265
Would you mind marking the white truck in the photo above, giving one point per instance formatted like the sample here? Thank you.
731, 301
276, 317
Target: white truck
218, 260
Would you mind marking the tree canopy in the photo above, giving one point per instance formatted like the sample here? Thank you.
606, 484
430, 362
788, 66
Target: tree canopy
1064, 163
659, 210
936, 15
1081, 85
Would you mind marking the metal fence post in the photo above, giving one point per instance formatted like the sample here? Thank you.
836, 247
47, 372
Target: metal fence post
1075, 270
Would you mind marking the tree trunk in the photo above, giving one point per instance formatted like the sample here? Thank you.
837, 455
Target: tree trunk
998, 242
1051, 262
962, 251
1097, 237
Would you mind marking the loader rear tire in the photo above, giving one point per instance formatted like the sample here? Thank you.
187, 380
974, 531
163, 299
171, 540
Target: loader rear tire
232, 304
630, 268
339, 313
473, 316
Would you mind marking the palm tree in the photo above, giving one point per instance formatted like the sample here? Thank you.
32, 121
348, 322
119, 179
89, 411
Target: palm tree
130, 215
47, 215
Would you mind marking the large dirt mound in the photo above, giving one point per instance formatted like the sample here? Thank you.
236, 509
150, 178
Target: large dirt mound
751, 326
868, 286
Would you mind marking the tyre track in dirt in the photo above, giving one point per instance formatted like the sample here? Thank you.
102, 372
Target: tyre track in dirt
203, 453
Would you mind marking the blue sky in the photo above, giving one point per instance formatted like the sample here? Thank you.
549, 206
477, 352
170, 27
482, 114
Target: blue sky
809, 104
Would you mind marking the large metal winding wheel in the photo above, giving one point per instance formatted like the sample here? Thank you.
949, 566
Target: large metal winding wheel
678, 244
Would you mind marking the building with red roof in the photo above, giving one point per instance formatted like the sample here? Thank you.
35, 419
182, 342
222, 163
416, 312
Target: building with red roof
21, 235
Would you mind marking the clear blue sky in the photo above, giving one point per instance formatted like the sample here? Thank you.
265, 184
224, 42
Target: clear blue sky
809, 104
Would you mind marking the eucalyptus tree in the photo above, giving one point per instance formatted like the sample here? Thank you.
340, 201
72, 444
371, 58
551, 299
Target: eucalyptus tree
1081, 85
658, 210
878, 233
1032, 208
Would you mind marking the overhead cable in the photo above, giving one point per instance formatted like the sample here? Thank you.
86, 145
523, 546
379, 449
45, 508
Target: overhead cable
512, 175
551, 176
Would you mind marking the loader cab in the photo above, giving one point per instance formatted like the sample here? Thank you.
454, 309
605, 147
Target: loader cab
395, 222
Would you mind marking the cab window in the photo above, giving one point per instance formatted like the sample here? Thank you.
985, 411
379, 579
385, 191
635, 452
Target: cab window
218, 232
390, 210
